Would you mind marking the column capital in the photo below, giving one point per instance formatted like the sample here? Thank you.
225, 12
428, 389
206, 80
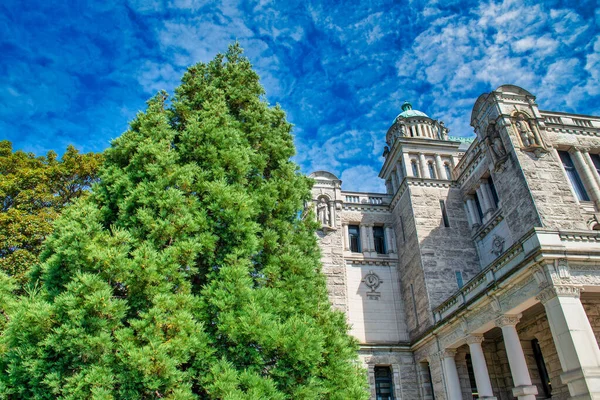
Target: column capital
575, 149
507, 320
474, 339
447, 353
558, 291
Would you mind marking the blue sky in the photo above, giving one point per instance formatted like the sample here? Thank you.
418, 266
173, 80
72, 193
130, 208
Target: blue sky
75, 72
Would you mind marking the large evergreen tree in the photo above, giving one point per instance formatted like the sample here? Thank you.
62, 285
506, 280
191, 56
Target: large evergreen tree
33, 192
187, 273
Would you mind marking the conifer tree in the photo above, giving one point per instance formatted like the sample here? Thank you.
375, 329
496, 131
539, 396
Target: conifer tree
187, 274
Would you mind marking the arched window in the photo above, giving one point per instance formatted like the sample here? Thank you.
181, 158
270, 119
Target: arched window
448, 171
415, 169
431, 171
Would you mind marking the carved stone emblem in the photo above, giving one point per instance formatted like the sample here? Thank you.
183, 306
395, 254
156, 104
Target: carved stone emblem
372, 281
497, 245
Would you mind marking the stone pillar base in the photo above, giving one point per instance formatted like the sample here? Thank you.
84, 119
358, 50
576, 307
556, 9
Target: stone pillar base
584, 383
525, 392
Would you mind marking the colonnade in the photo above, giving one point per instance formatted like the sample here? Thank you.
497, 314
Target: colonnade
404, 168
486, 202
573, 337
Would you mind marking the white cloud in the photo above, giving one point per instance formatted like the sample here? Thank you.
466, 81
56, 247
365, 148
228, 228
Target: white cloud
362, 178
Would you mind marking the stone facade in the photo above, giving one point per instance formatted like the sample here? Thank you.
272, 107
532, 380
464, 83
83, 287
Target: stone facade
477, 274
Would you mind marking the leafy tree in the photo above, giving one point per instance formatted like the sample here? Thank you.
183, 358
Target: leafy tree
33, 191
187, 273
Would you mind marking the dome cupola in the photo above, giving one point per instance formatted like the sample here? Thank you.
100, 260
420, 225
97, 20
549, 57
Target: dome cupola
408, 112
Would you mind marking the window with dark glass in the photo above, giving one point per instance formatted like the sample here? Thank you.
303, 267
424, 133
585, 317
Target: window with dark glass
541, 365
431, 171
415, 169
493, 190
596, 160
379, 239
448, 172
573, 176
478, 207
354, 237
384, 387
444, 214
472, 382
459, 279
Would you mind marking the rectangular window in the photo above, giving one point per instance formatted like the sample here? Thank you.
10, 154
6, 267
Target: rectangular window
354, 237
414, 301
430, 382
459, 279
472, 382
379, 239
541, 365
415, 169
384, 386
402, 228
431, 171
478, 207
444, 214
573, 176
493, 190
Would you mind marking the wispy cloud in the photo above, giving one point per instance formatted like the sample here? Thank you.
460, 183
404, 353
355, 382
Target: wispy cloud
77, 74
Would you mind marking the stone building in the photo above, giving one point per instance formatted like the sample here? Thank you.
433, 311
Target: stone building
477, 275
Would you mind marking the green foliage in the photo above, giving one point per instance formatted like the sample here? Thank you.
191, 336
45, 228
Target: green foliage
33, 191
187, 273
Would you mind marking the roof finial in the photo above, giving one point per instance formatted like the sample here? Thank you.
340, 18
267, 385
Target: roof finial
406, 106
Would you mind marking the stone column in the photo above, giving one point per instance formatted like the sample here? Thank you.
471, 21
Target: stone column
399, 173
440, 167
483, 201
487, 193
592, 168
451, 375
394, 182
371, 240
473, 210
419, 130
586, 175
346, 238
406, 162
423, 165
523, 389
331, 213
482, 377
391, 246
468, 212
574, 339
364, 240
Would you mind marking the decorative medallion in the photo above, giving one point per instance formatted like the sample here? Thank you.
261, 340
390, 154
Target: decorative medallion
372, 281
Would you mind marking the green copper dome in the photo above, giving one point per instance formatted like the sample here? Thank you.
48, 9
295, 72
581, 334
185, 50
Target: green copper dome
407, 111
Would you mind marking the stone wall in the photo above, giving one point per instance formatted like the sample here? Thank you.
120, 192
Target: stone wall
444, 250
404, 371
412, 279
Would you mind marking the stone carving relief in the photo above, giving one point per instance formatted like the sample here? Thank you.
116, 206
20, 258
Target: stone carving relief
442, 129
323, 214
558, 291
497, 245
529, 134
373, 281
496, 147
